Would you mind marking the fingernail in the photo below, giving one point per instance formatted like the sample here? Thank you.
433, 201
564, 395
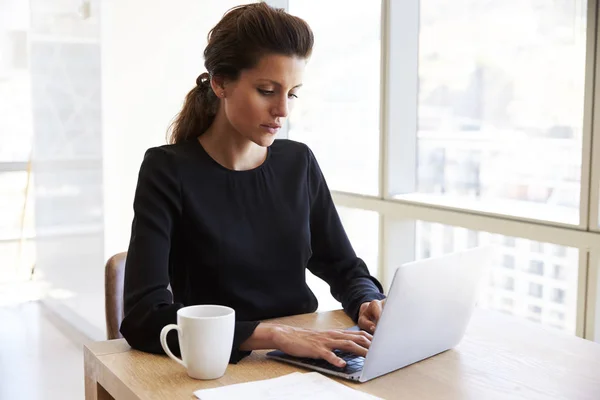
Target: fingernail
372, 327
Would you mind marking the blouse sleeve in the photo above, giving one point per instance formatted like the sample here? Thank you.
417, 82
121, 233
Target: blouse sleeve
333, 258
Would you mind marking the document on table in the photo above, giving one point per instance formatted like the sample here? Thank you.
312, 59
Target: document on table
311, 385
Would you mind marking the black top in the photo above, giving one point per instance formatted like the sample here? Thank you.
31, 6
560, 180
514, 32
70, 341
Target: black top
237, 238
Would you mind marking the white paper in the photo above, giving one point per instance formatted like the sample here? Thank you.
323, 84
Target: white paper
294, 386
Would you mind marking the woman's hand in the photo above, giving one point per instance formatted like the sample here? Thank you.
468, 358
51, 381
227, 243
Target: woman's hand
369, 314
320, 344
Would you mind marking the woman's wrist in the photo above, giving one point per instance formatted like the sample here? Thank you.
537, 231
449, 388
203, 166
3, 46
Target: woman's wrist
263, 337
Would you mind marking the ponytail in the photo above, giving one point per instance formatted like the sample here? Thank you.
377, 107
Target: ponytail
197, 114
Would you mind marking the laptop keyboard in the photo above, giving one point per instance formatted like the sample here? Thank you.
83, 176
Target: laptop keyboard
354, 363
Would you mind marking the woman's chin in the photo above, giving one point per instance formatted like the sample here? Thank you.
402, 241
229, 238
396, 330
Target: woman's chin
265, 140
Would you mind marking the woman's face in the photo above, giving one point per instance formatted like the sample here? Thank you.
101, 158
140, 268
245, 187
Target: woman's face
257, 104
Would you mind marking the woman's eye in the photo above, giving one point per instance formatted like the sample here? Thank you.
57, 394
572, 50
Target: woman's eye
265, 92
292, 95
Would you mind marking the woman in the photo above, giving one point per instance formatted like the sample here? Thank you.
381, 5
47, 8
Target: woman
226, 215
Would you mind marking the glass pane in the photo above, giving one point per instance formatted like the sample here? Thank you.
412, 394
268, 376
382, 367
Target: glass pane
500, 116
530, 279
16, 125
362, 228
69, 198
16, 210
17, 259
337, 113
17, 251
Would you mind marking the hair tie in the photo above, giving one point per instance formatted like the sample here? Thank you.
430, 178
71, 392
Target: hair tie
203, 79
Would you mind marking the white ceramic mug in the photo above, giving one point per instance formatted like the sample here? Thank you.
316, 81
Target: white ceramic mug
205, 339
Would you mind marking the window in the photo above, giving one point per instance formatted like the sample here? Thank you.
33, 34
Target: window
559, 272
507, 288
536, 267
534, 313
484, 105
558, 296
425, 249
16, 137
472, 238
508, 302
17, 213
537, 247
337, 113
557, 315
535, 309
448, 239
560, 251
16, 124
507, 283
482, 143
508, 261
16, 262
536, 290
13, 188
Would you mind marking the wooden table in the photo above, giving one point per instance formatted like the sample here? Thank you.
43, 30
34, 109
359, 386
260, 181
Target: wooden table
501, 357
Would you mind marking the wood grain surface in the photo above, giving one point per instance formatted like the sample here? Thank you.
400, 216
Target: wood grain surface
501, 357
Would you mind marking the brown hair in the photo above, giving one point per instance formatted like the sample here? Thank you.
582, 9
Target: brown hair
244, 35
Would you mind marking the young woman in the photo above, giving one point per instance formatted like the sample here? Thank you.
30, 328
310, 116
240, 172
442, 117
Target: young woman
227, 215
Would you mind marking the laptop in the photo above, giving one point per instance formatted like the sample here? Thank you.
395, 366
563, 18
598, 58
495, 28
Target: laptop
428, 308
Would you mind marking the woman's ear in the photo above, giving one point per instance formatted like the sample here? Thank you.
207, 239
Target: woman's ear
217, 83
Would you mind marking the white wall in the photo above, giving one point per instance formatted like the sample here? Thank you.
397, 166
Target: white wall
151, 56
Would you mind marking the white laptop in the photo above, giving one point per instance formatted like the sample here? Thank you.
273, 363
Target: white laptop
428, 308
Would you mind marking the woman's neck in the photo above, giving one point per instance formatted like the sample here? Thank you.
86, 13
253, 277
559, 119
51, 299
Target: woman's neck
230, 149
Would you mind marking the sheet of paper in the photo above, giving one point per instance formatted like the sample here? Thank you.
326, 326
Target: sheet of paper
311, 385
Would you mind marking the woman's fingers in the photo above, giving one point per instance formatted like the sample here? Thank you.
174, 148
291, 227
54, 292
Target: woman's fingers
366, 323
348, 345
363, 340
332, 359
344, 333
370, 314
360, 333
375, 310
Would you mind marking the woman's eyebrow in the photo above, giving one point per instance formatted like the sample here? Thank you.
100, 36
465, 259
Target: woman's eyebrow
277, 83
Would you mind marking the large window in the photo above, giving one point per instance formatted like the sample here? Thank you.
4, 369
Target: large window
500, 107
486, 134
518, 282
17, 253
337, 114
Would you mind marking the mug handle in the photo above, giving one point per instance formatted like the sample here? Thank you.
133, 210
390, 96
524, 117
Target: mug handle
163, 341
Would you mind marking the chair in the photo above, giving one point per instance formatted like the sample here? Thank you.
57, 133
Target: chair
114, 276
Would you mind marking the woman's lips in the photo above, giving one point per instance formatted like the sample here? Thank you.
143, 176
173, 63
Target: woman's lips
272, 129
